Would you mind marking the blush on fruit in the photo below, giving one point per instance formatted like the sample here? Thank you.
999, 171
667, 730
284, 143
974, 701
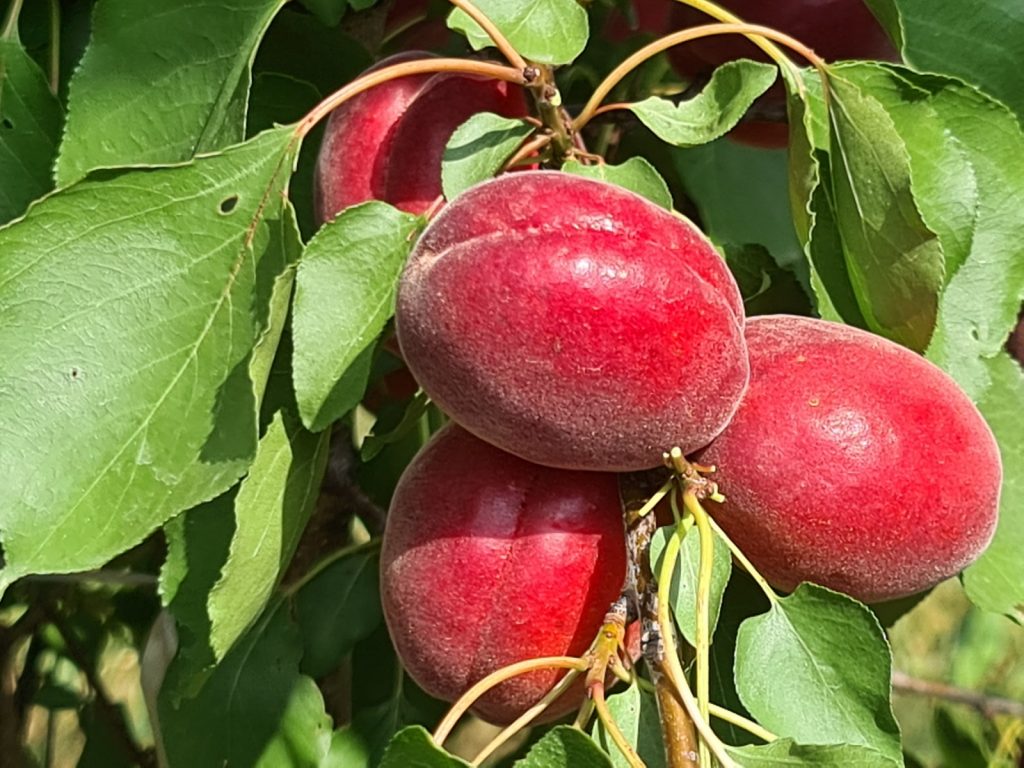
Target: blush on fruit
834, 29
573, 323
488, 560
853, 463
387, 143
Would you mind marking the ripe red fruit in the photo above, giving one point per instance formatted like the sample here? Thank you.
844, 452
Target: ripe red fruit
853, 463
488, 560
387, 143
573, 323
835, 29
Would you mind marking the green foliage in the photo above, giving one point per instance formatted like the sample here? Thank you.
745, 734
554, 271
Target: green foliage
822, 652
636, 175
413, 746
564, 747
543, 31
714, 111
636, 712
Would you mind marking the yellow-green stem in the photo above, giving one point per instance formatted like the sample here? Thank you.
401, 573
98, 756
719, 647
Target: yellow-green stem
406, 68
500, 41
741, 722
695, 33
460, 707
526, 718
674, 671
747, 565
707, 554
10, 27
721, 14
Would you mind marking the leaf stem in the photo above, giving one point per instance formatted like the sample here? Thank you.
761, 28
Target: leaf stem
527, 717
327, 562
696, 33
404, 69
10, 27
460, 707
707, 554
500, 41
531, 147
747, 565
741, 722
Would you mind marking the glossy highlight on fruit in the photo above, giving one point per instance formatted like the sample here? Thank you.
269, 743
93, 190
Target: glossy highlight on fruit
387, 143
853, 463
488, 560
573, 323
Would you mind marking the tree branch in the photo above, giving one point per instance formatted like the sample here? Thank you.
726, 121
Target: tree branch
988, 705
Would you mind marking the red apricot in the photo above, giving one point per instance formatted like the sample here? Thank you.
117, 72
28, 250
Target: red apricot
387, 143
573, 323
853, 463
488, 560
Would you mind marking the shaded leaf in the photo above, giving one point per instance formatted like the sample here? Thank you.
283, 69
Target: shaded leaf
816, 668
384, 434
544, 31
30, 121
683, 593
564, 747
348, 750
895, 262
127, 395
184, 93
339, 607
478, 150
344, 294
636, 174
252, 709
766, 287
713, 112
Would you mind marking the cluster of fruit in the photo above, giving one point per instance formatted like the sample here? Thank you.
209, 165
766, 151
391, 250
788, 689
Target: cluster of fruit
573, 330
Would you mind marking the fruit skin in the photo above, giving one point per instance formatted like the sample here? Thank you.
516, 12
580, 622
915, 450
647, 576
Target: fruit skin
488, 560
853, 463
387, 143
573, 323
834, 29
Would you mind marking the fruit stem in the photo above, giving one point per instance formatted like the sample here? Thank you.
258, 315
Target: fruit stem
500, 41
707, 554
54, 45
404, 69
696, 33
747, 565
612, 728
10, 28
552, 114
526, 718
460, 707
741, 722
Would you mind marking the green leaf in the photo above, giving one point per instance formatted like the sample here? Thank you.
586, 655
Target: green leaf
271, 508
934, 33
348, 750
543, 31
816, 668
564, 747
995, 582
895, 262
374, 443
339, 607
636, 713
30, 121
478, 149
413, 747
344, 294
714, 111
185, 90
254, 708
127, 339
967, 163
636, 175
683, 593
785, 752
